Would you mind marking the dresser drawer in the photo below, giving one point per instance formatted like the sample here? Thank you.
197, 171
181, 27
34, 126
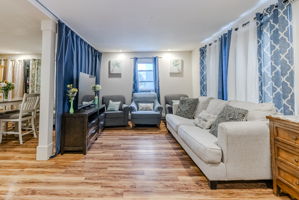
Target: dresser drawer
287, 156
286, 135
287, 177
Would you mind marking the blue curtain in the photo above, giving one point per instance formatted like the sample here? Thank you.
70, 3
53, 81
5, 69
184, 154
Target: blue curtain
156, 76
155, 61
225, 40
203, 71
74, 55
275, 56
135, 76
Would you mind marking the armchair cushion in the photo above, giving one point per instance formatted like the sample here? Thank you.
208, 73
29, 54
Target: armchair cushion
113, 105
114, 114
114, 98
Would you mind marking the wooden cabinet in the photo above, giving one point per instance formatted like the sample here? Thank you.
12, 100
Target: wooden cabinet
285, 155
81, 129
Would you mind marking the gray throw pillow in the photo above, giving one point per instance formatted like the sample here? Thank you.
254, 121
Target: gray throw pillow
228, 114
187, 108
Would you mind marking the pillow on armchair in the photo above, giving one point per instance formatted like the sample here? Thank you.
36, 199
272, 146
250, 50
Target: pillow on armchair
146, 106
187, 108
113, 105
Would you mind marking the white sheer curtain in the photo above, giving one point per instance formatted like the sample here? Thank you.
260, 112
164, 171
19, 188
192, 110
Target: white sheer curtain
243, 64
18, 78
212, 69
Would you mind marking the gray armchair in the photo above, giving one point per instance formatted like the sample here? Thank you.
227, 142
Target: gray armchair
145, 117
169, 99
116, 118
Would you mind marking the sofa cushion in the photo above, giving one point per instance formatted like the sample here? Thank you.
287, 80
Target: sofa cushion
175, 121
228, 114
145, 114
216, 106
205, 120
187, 108
203, 103
114, 114
202, 143
256, 111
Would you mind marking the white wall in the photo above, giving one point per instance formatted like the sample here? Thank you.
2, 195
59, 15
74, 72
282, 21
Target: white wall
296, 51
195, 73
169, 84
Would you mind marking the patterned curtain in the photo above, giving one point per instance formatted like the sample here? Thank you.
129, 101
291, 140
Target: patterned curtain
225, 41
34, 77
203, 71
275, 57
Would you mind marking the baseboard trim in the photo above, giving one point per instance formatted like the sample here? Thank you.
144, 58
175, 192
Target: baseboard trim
44, 152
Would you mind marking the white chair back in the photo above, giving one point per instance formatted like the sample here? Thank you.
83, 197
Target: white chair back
29, 104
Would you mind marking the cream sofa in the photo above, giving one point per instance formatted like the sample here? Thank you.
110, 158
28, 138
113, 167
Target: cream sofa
242, 149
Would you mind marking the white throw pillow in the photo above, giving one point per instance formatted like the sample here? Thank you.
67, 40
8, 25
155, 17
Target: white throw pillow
202, 104
113, 106
175, 105
216, 106
205, 120
146, 106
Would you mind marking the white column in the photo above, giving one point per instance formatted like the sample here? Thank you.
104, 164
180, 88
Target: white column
45, 142
296, 52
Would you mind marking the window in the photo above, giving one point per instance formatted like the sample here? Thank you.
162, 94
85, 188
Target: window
145, 77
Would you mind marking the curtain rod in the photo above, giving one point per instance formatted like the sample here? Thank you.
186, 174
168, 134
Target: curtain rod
146, 57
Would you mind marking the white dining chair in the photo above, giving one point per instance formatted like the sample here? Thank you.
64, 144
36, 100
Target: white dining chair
24, 119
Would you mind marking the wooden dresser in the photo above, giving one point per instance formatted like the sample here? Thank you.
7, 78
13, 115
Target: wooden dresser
81, 129
285, 154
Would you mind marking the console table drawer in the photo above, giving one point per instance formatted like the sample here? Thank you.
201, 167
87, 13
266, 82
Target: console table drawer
288, 178
285, 135
287, 156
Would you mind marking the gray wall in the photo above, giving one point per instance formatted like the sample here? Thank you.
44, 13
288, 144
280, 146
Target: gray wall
169, 83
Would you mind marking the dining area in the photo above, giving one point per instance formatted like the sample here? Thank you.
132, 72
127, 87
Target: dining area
19, 99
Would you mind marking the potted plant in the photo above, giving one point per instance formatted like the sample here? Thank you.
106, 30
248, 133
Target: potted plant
96, 88
71, 93
5, 87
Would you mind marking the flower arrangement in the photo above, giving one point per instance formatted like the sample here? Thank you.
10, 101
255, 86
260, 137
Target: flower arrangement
96, 88
5, 87
71, 93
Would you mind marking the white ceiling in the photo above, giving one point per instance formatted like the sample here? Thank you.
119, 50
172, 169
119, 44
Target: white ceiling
20, 25
147, 25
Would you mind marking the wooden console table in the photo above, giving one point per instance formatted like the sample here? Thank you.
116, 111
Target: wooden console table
285, 154
81, 129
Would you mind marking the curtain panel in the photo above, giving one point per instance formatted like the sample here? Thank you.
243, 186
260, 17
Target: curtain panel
74, 55
225, 41
275, 57
203, 71
243, 66
212, 69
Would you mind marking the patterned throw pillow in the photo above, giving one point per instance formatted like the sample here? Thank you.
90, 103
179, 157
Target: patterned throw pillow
205, 120
187, 108
146, 106
113, 105
228, 114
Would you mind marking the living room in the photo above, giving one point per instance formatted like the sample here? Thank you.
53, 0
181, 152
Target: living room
149, 99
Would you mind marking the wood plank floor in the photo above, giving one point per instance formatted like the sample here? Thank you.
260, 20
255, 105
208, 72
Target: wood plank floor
138, 164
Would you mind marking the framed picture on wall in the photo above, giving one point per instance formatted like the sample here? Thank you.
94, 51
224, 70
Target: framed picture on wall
176, 66
115, 67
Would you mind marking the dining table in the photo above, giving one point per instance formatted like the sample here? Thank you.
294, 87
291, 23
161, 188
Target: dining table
10, 105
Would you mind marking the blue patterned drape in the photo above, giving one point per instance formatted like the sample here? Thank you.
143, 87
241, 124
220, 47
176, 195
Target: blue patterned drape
203, 71
275, 57
74, 55
225, 40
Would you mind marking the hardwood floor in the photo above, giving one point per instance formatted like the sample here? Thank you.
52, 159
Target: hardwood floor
138, 164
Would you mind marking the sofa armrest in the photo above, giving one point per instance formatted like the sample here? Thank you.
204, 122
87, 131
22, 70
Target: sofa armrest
158, 107
133, 107
168, 109
125, 108
246, 149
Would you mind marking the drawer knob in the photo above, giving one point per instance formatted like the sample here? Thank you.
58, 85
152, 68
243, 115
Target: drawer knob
296, 160
295, 138
297, 182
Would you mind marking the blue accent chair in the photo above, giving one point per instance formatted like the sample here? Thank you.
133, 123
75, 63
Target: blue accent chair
145, 117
